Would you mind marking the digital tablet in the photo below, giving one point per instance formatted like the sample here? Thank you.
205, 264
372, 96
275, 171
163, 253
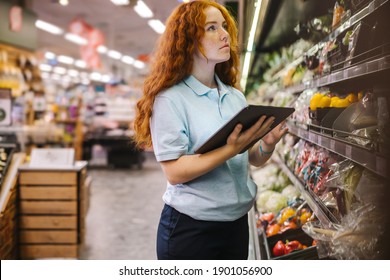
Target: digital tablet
248, 116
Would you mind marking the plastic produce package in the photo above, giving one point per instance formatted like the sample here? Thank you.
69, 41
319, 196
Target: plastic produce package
361, 231
357, 116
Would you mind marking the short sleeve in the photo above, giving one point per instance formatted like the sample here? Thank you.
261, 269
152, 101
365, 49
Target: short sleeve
168, 128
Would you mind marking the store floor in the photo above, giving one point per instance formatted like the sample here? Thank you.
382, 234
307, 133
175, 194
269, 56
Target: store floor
124, 210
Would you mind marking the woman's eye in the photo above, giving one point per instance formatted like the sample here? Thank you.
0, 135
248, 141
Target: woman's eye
211, 28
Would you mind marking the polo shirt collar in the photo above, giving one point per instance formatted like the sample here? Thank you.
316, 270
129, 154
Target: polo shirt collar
201, 89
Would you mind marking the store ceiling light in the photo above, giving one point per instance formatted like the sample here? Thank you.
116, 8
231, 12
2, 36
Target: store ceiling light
139, 64
73, 73
80, 63
128, 59
59, 70
102, 49
105, 78
55, 77
85, 82
45, 67
143, 10
84, 75
48, 27
156, 25
114, 54
75, 39
121, 2
249, 48
63, 2
65, 59
49, 55
96, 76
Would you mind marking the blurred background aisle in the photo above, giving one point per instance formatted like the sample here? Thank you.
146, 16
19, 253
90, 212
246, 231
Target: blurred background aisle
124, 211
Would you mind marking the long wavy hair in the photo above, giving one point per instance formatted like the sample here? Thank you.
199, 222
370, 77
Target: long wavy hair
173, 59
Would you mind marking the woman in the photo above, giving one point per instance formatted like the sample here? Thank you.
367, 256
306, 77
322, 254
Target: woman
188, 95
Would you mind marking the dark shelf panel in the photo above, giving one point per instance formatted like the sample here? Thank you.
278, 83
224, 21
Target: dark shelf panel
367, 158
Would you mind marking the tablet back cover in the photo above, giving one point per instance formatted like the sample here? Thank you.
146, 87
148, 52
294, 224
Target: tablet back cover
248, 116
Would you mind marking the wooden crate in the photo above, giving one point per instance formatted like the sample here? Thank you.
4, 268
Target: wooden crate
8, 240
48, 251
28, 192
8, 218
51, 211
51, 207
48, 236
48, 178
47, 222
84, 205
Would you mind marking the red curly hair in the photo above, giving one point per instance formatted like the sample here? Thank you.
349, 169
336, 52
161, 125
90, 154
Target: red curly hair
174, 59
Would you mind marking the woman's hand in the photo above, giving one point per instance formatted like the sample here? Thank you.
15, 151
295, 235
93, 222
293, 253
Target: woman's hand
262, 150
240, 140
274, 136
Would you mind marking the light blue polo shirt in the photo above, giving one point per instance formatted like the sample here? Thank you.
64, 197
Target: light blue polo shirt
184, 117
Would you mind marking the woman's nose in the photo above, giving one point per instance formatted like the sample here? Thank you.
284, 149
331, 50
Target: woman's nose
223, 34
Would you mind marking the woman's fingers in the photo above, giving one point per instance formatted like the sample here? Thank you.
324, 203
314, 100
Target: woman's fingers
259, 129
235, 133
262, 126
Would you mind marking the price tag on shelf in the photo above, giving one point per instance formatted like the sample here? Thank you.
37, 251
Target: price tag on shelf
319, 140
348, 151
312, 137
332, 144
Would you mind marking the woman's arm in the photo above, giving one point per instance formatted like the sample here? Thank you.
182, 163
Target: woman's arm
189, 167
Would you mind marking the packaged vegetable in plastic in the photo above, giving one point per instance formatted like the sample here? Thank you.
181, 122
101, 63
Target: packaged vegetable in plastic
360, 233
338, 12
356, 237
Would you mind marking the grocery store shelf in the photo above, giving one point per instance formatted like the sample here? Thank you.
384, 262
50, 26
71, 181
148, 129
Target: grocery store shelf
362, 69
366, 158
293, 89
370, 8
358, 70
319, 210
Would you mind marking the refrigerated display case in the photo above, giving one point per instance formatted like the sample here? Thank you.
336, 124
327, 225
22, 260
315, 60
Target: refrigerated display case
352, 56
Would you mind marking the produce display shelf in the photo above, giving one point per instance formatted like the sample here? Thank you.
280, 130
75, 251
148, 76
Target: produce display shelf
369, 9
318, 209
352, 72
362, 69
358, 70
310, 253
362, 156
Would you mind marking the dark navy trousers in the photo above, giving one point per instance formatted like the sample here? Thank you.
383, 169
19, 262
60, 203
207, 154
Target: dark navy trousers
180, 237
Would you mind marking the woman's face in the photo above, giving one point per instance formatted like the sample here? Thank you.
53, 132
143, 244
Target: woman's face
216, 40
